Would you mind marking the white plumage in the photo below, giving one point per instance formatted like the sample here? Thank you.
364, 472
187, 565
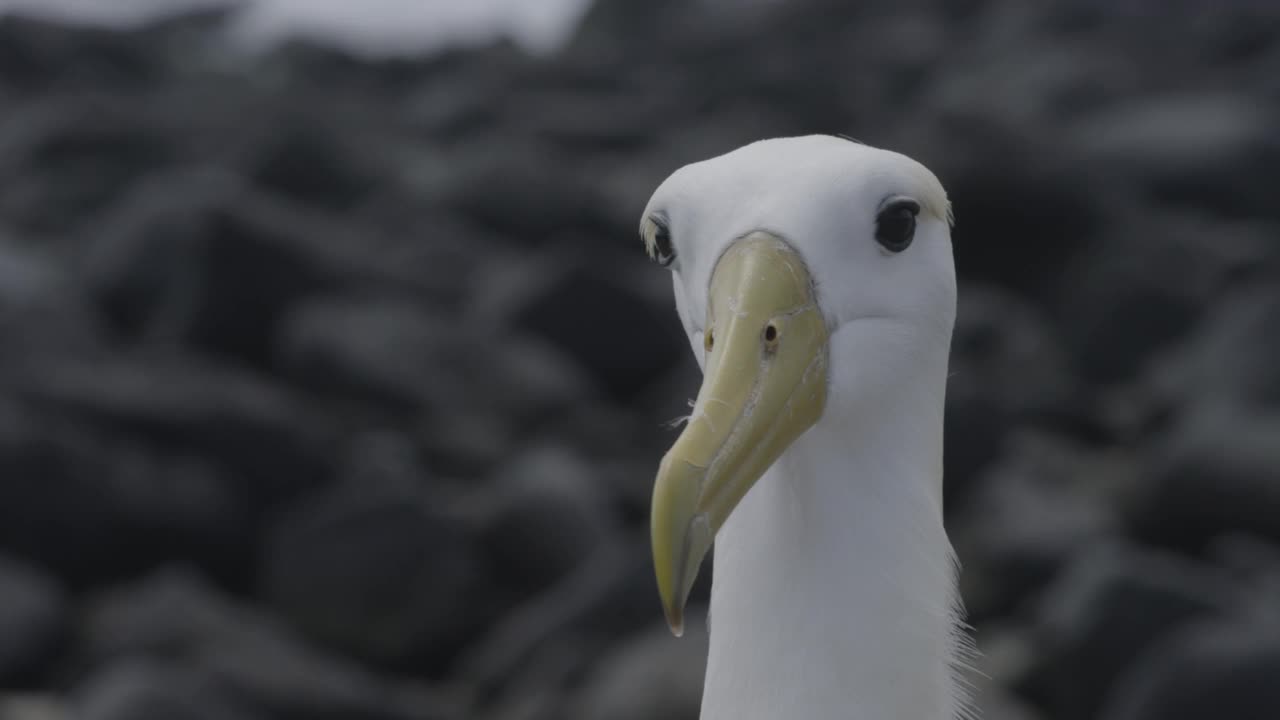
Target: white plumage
834, 592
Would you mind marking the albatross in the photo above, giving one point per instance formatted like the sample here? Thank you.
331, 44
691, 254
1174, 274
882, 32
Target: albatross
815, 280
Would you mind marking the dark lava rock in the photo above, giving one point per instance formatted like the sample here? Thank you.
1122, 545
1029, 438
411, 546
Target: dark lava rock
649, 675
186, 404
1007, 368
385, 350
467, 442
1005, 654
313, 165
1103, 612
1216, 471
507, 189
398, 354
152, 690
33, 623
36, 55
602, 601
531, 380
173, 613
1253, 562
1205, 671
64, 161
387, 575
1007, 193
301, 686
1027, 516
199, 259
175, 618
383, 460
41, 303
94, 505
1233, 355
1128, 298
623, 341
459, 102
545, 517
1215, 151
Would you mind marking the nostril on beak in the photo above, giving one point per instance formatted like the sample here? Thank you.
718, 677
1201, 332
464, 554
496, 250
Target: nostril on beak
770, 338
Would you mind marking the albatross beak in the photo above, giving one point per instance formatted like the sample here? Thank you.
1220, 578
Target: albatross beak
765, 384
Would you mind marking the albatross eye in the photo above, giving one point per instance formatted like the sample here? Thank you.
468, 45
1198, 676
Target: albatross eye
657, 240
663, 252
896, 225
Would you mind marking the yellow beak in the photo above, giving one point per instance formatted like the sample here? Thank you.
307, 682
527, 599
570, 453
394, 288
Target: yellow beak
765, 384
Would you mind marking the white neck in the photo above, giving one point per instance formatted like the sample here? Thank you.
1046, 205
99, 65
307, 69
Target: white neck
834, 589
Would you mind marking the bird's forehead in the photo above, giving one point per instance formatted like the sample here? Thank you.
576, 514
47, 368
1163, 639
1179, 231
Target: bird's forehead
812, 176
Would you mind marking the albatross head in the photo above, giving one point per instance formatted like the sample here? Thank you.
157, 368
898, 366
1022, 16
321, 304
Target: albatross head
814, 278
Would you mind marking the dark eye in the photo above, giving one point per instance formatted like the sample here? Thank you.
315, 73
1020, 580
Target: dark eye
658, 241
896, 225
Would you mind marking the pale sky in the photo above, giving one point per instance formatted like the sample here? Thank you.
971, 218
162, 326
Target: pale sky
371, 26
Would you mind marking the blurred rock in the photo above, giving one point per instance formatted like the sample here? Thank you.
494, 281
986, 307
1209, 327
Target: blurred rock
39, 54
146, 690
313, 165
384, 574
531, 194
397, 354
547, 515
1020, 214
1007, 368
539, 704
468, 442
1207, 670
40, 303
1254, 562
540, 686
171, 613
1028, 515
188, 404
92, 505
33, 623
1004, 656
64, 160
197, 258
651, 675
533, 381
245, 656
599, 121
293, 685
380, 349
1233, 355
996, 704
35, 706
1127, 299
1216, 470
604, 599
459, 103
383, 460
611, 29
622, 341
1208, 150
1104, 611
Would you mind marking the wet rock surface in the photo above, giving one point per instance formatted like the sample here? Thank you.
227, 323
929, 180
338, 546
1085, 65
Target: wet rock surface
333, 387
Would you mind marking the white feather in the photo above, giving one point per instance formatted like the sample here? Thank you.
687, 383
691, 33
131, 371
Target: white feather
834, 590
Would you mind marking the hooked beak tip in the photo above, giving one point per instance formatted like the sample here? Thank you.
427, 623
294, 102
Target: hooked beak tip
675, 621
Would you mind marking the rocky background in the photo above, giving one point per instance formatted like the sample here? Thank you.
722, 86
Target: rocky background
333, 388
